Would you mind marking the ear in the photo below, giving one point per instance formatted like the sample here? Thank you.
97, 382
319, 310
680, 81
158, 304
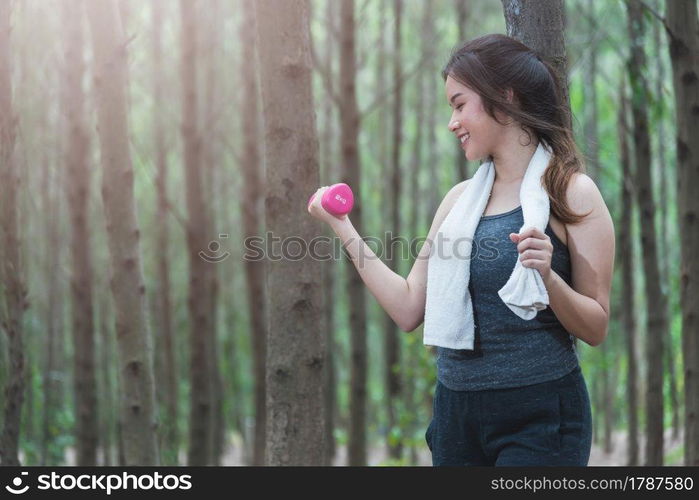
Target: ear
509, 95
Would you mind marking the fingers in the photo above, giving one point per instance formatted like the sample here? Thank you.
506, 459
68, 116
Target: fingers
535, 243
319, 196
541, 265
542, 255
315, 206
531, 232
535, 249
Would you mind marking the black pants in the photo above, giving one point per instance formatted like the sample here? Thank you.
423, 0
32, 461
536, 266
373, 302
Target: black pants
536, 425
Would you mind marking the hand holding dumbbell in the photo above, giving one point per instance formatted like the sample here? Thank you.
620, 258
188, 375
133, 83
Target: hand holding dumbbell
337, 200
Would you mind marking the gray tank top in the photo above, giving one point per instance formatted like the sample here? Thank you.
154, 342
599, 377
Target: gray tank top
508, 350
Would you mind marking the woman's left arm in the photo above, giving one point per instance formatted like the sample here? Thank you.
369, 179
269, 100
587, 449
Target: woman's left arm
583, 308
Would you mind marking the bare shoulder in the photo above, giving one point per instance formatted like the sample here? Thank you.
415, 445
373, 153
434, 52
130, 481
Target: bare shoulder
591, 241
584, 196
446, 205
455, 192
459, 188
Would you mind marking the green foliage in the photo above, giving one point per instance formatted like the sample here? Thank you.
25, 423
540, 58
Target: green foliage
675, 457
341, 437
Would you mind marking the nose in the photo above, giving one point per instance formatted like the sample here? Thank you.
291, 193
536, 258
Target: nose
453, 125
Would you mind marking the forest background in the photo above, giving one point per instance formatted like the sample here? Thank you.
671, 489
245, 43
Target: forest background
143, 143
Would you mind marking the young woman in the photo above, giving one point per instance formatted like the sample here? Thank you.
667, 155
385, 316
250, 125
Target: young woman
519, 398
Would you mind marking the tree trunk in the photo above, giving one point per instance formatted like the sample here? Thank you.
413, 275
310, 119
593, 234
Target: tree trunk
165, 332
107, 422
663, 172
413, 348
392, 377
133, 337
597, 402
11, 273
209, 53
384, 120
201, 420
540, 25
330, 172
591, 142
380, 177
684, 47
53, 373
462, 15
351, 174
591, 115
251, 166
628, 317
606, 389
78, 187
433, 88
295, 371
656, 300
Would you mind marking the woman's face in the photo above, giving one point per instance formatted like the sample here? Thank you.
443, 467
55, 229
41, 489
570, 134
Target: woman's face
479, 129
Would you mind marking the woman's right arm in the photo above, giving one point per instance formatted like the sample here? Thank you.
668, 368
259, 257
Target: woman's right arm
402, 299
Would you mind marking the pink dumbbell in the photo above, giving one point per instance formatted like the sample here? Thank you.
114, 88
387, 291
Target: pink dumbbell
338, 199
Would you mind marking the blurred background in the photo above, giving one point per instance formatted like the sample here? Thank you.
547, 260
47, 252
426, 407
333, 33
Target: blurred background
140, 147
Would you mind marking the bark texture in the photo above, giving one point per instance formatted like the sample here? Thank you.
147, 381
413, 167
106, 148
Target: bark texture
295, 361
137, 394
684, 54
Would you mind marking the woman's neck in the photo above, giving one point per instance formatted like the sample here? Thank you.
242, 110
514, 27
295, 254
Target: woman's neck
511, 162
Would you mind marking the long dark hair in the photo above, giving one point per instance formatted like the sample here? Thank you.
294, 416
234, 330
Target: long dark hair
492, 63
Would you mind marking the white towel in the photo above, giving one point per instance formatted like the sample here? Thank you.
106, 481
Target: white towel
448, 308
